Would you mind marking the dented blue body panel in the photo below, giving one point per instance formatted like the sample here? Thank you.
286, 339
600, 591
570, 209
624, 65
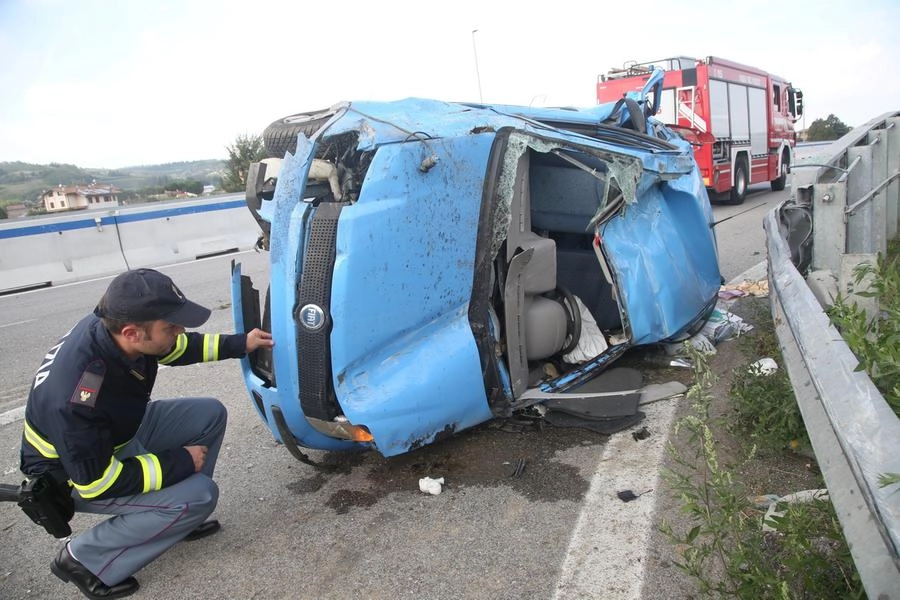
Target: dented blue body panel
662, 247
398, 297
406, 358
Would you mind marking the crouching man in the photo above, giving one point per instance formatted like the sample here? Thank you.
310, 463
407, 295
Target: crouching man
90, 422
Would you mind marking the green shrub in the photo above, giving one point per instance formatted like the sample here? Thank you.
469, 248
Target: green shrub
766, 410
726, 550
875, 340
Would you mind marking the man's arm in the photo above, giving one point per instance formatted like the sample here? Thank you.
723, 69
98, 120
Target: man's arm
88, 456
192, 347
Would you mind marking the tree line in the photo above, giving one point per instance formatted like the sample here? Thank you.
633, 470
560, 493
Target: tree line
827, 129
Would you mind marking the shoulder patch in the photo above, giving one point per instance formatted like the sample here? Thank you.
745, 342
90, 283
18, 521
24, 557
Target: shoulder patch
88, 387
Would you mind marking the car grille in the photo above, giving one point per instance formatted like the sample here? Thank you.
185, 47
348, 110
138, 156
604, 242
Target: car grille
317, 397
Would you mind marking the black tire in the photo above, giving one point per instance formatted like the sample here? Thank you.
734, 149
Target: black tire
636, 115
636, 119
740, 183
779, 183
281, 135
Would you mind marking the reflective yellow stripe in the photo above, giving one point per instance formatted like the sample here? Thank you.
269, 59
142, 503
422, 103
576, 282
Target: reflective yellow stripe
181, 343
95, 488
40, 444
158, 479
210, 347
146, 472
152, 472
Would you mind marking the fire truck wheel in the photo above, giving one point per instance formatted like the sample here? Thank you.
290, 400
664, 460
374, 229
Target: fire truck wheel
779, 183
281, 135
739, 188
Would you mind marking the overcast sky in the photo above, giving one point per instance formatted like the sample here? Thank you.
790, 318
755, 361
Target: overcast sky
114, 83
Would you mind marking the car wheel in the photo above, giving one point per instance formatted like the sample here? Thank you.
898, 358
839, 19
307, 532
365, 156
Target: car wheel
635, 120
636, 116
281, 135
739, 187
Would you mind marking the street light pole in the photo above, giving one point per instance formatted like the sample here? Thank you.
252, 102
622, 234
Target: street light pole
477, 73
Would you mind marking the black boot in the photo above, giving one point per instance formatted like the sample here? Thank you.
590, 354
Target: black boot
203, 530
68, 569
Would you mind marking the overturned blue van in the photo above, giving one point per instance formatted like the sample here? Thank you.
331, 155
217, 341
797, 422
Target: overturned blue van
435, 265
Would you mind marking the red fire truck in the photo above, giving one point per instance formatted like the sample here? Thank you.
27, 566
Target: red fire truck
739, 118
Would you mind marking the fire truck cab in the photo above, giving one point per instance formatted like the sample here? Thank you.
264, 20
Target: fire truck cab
740, 119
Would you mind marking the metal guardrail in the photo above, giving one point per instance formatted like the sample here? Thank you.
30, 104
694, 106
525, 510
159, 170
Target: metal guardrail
843, 210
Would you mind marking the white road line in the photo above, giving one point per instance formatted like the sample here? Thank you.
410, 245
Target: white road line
17, 323
606, 556
11, 416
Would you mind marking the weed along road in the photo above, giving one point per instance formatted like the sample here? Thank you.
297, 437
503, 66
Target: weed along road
525, 512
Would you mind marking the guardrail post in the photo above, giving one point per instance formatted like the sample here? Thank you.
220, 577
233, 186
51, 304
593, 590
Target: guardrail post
861, 224
830, 232
892, 193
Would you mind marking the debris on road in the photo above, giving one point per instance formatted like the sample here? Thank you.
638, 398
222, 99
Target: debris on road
764, 366
628, 495
723, 325
519, 468
773, 512
760, 289
641, 434
698, 341
431, 486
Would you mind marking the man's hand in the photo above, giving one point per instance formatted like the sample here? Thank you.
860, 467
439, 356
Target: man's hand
198, 453
259, 339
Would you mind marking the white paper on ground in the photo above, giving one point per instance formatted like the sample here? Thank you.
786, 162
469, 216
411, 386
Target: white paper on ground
431, 486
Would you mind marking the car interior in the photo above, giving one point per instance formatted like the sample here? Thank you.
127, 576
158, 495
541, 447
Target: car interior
551, 258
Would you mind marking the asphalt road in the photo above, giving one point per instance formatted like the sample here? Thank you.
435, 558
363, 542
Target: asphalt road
363, 529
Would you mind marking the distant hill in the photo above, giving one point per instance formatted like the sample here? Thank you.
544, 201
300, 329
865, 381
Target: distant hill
24, 182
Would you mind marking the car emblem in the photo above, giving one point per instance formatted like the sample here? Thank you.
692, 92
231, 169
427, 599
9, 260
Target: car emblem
312, 317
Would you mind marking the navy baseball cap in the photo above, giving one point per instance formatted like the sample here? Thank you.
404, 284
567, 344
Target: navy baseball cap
146, 295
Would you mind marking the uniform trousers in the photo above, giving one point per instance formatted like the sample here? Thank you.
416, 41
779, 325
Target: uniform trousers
146, 525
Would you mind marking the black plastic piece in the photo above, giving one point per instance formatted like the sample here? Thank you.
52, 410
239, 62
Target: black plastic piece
261, 362
290, 442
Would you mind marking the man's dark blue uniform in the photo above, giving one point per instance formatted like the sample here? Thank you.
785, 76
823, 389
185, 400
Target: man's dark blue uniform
89, 414
93, 399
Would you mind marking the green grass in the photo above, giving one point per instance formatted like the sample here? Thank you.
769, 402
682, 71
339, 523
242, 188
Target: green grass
764, 407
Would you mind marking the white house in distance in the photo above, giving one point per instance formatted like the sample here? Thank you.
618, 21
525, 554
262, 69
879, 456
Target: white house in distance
78, 197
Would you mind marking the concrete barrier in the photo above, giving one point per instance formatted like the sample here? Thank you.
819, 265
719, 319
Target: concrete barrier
52, 250
40, 253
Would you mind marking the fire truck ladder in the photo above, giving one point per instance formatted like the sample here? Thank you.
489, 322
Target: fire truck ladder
686, 108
